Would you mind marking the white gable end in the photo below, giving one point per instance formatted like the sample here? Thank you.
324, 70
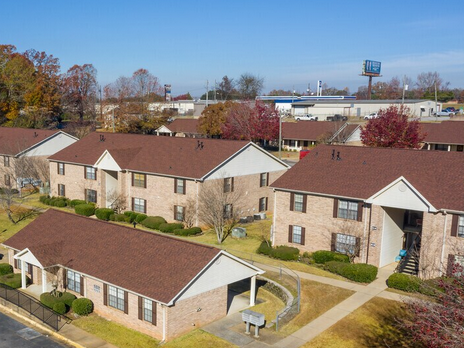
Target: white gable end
248, 162
163, 129
402, 195
223, 271
51, 145
27, 256
107, 162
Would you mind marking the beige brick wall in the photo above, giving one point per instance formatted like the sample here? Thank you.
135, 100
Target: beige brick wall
185, 315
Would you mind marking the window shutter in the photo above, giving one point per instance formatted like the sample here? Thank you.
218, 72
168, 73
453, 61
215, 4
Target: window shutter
333, 241
266, 203
96, 171
185, 186
304, 203
140, 308
64, 190
260, 182
292, 201
29, 268
15, 261
144, 180
232, 184
126, 302
231, 211
81, 290
65, 278
360, 212
303, 232
267, 179
133, 178
64, 169
290, 233
335, 212
132, 204
57, 168
144, 206
225, 185
358, 245
153, 314
105, 294
85, 172
450, 266
175, 185
454, 226
175, 212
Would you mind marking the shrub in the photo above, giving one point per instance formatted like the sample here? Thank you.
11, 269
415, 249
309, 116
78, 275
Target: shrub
140, 218
47, 201
359, 272
59, 307
323, 256
121, 218
5, 268
82, 306
43, 198
153, 222
187, 231
13, 280
111, 217
170, 227
75, 202
265, 249
404, 282
85, 209
50, 300
104, 213
128, 213
281, 252
60, 203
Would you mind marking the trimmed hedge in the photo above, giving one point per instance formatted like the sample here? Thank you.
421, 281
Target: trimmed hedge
85, 209
281, 252
323, 256
140, 218
54, 201
358, 272
59, 308
187, 231
170, 227
121, 218
49, 300
404, 282
13, 280
153, 222
75, 202
104, 213
43, 198
5, 268
82, 306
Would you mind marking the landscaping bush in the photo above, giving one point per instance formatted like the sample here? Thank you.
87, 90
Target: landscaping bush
140, 218
281, 252
5, 268
59, 308
104, 213
358, 272
153, 222
50, 300
75, 202
128, 213
404, 282
187, 231
170, 227
47, 201
82, 306
13, 280
43, 198
323, 256
265, 249
85, 209
111, 217
121, 218
60, 203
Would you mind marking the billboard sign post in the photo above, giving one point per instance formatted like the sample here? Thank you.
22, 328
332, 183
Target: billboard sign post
371, 68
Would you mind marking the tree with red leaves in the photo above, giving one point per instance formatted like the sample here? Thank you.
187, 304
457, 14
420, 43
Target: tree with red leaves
392, 128
440, 323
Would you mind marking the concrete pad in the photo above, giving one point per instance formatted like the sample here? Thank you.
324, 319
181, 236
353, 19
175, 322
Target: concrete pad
335, 313
257, 344
371, 291
290, 342
354, 302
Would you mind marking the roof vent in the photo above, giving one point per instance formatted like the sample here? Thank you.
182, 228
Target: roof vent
333, 154
35, 135
338, 156
199, 145
364, 162
102, 137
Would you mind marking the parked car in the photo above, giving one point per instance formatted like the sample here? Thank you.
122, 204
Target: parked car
307, 117
337, 117
450, 109
444, 113
371, 116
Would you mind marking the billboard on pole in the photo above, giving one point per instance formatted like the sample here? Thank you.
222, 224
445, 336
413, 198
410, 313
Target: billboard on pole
371, 68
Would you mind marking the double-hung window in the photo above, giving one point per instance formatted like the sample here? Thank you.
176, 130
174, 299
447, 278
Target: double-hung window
7, 180
227, 211
461, 226
6, 161
61, 190
74, 281
263, 204
263, 179
345, 244
91, 173
347, 210
91, 196
115, 297
147, 310
139, 205
179, 212
228, 184
296, 234
139, 180
61, 168
298, 203
179, 186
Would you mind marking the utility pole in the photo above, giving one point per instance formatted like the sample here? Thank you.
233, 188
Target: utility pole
280, 136
207, 92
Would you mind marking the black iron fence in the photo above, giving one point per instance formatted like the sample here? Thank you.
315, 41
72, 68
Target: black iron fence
33, 306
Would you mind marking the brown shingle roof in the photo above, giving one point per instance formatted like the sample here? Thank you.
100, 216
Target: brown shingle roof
153, 154
149, 264
364, 171
308, 130
447, 132
16, 140
184, 126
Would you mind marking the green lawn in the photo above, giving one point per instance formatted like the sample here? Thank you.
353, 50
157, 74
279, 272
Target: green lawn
375, 324
198, 339
8, 229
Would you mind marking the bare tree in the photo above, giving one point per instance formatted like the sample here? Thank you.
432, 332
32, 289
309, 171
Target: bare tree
220, 206
190, 213
118, 201
351, 240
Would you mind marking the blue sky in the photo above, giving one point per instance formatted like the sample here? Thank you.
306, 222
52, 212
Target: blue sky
185, 43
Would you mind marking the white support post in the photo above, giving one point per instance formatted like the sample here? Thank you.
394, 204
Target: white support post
23, 274
253, 291
44, 281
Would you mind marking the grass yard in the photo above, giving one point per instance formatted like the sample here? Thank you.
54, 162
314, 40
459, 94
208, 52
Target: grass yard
7, 228
269, 305
198, 339
316, 299
287, 155
372, 325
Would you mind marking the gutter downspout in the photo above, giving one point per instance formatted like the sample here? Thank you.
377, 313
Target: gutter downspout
164, 323
196, 205
443, 242
369, 234
274, 219
364, 237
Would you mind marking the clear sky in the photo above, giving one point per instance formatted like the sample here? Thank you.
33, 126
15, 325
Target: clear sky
288, 43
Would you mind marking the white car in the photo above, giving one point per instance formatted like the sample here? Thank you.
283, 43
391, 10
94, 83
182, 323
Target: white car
371, 116
307, 117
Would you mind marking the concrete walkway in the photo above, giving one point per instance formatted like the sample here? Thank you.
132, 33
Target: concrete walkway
232, 328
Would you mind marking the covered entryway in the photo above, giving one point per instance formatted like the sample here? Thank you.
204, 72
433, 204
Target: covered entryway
26, 261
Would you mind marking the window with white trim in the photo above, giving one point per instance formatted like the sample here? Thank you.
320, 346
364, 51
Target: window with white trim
263, 179
61, 168
147, 310
180, 186
91, 196
298, 203
228, 186
345, 243
74, 281
115, 297
459, 260
139, 205
461, 226
6, 161
296, 234
61, 190
227, 211
139, 180
179, 212
7, 180
347, 210
263, 204
91, 173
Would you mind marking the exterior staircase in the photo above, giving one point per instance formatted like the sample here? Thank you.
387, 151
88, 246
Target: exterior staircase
410, 263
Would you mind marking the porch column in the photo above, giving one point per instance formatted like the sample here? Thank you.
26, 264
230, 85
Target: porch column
23, 274
428, 146
449, 147
44, 281
253, 291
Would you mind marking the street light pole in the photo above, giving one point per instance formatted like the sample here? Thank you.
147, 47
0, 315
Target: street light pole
280, 136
